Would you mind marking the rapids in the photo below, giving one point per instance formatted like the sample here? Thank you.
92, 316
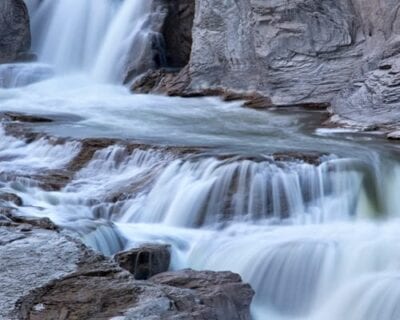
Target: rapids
317, 241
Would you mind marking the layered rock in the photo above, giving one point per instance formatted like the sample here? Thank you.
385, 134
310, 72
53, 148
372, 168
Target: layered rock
373, 101
47, 274
15, 37
294, 52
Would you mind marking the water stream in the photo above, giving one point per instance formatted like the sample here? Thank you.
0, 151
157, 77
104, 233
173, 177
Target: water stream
317, 241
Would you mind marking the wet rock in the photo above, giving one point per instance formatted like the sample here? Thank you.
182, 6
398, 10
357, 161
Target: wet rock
22, 117
314, 158
88, 149
10, 197
145, 261
50, 275
394, 135
41, 223
15, 37
213, 289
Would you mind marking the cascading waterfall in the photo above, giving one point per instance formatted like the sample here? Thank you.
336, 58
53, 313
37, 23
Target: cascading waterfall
297, 232
316, 241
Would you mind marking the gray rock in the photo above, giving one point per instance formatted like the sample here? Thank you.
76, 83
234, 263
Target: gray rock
45, 274
373, 100
293, 51
298, 52
145, 261
15, 37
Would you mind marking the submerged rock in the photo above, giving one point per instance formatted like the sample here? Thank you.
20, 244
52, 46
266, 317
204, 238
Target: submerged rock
11, 198
46, 275
145, 261
15, 36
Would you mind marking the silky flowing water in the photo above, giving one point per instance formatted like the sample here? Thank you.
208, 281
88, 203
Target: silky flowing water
316, 241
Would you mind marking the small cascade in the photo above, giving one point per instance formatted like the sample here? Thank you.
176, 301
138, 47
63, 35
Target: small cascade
216, 191
18, 156
332, 271
315, 241
23, 74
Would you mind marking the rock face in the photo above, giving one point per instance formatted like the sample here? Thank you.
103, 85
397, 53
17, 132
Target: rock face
296, 52
213, 289
373, 100
15, 37
177, 31
47, 274
145, 261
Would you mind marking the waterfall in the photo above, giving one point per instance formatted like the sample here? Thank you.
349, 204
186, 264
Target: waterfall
317, 241
97, 37
304, 235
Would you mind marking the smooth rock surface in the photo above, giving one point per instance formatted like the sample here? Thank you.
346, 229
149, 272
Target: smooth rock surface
15, 37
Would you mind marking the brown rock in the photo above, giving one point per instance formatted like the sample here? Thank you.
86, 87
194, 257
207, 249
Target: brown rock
11, 197
145, 261
214, 289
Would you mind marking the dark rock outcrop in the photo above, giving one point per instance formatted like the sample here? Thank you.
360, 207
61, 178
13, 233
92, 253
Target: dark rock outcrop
15, 37
145, 261
11, 198
177, 31
213, 289
45, 274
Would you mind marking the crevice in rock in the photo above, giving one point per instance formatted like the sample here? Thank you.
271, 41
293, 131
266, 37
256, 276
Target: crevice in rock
177, 32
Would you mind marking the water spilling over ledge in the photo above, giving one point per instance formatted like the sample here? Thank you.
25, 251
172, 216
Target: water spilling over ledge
308, 216
300, 233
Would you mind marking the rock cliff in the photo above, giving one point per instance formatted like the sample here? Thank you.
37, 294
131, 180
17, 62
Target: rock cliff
15, 37
294, 52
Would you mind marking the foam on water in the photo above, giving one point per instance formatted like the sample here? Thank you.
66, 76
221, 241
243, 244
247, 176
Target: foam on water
315, 241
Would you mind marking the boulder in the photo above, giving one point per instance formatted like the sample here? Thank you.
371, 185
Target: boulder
47, 274
15, 36
145, 261
213, 289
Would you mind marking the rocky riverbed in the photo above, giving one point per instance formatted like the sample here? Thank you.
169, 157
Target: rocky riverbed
113, 182
47, 273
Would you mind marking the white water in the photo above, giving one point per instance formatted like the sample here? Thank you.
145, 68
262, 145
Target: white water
94, 36
315, 242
